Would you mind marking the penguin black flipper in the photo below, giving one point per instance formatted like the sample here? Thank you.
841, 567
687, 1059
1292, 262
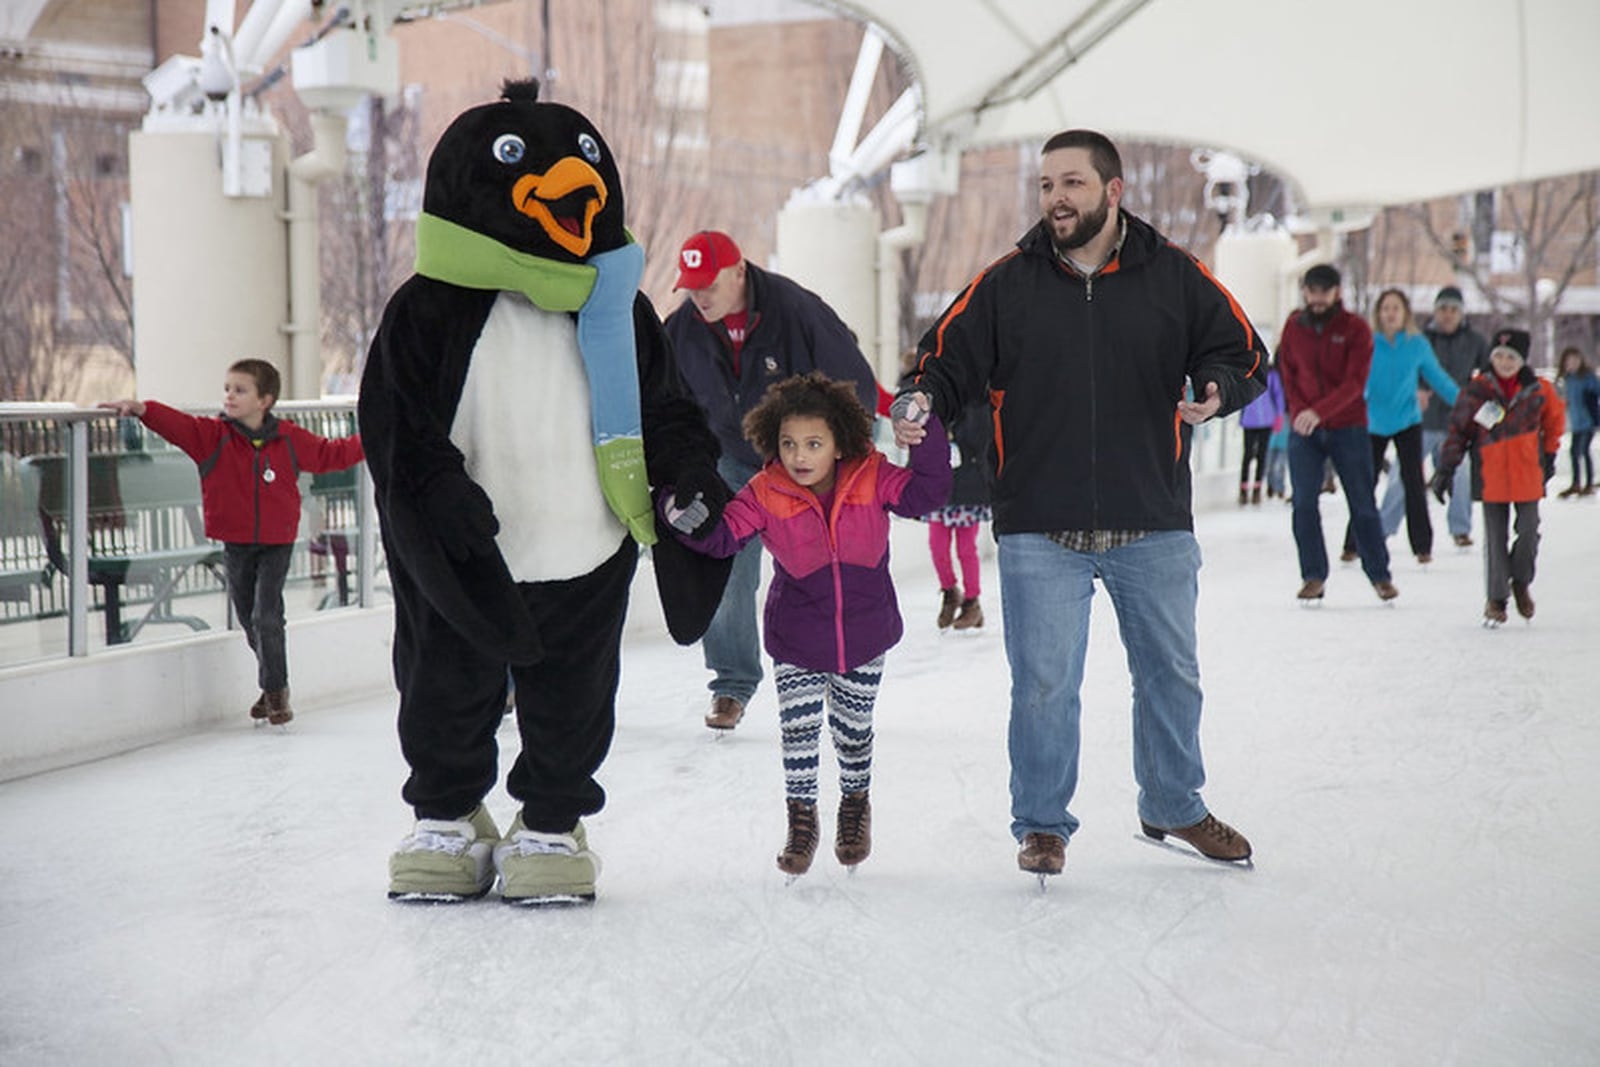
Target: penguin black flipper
410, 390
676, 439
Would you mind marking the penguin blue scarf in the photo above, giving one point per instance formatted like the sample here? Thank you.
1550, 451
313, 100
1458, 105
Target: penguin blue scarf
601, 290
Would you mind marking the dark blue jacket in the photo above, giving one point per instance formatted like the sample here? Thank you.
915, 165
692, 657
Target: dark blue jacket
790, 331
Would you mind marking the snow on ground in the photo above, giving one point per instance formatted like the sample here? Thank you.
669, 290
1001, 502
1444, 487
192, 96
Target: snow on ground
1420, 793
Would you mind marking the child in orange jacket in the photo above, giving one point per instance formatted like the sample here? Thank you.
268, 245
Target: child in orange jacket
1512, 420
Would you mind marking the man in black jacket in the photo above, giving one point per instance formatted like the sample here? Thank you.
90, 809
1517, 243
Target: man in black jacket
1099, 344
740, 330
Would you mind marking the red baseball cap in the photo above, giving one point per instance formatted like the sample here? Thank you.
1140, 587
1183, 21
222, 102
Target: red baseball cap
703, 257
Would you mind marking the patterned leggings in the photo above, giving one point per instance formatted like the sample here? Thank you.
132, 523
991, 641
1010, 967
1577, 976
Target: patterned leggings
849, 698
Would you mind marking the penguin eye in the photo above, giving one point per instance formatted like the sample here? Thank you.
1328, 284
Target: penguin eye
589, 147
508, 148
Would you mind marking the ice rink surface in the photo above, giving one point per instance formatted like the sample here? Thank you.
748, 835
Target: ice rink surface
1421, 794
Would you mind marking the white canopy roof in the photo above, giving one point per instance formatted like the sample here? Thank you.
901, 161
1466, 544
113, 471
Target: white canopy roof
1359, 102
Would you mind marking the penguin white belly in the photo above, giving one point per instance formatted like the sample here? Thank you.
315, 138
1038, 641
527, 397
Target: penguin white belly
524, 426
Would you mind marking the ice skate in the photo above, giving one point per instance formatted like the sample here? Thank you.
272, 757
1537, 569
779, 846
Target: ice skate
1524, 600
949, 601
1386, 591
725, 713
1462, 540
445, 861
278, 710
971, 616
1311, 592
1211, 838
795, 859
259, 710
1494, 614
1042, 854
542, 869
852, 840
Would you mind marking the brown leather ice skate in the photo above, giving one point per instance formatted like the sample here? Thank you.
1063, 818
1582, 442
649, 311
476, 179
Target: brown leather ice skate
278, 710
1042, 854
725, 713
1211, 837
971, 616
949, 601
852, 841
795, 859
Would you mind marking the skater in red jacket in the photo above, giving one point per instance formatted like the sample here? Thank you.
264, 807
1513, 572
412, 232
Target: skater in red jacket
249, 461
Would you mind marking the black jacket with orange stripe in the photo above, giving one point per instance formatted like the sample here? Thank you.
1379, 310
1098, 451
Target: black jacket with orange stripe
1084, 376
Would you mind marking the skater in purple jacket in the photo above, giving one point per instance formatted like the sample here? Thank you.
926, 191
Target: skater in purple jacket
820, 505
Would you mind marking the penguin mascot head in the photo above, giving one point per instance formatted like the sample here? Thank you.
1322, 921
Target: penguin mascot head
536, 177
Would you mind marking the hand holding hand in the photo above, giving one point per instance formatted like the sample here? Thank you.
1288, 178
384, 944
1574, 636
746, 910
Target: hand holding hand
909, 415
697, 502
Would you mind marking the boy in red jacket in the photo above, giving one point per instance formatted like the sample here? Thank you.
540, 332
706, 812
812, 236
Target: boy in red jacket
1512, 420
249, 463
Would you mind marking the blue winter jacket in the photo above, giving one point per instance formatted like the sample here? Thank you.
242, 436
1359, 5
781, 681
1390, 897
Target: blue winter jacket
1582, 393
1397, 362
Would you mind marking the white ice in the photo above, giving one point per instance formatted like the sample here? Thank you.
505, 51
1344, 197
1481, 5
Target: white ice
1422, 795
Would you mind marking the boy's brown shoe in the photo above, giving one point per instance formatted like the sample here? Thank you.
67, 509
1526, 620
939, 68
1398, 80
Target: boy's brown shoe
1524, 599
1494, 612
1042, 854
1211, 837
278, 710
259, 710
725, 713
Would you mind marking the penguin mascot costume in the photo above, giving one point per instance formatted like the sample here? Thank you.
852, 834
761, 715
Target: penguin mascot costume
519, 403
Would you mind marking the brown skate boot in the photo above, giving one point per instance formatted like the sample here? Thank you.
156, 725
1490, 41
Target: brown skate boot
1042, 854
795, 859
725, 713
278, 710
949, 601
1385, 590
852, 841
1211, 837
1494, 613
1524, 599
1311, 590
259, 710
971, 617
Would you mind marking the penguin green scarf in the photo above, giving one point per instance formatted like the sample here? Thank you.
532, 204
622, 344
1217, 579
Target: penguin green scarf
601, 290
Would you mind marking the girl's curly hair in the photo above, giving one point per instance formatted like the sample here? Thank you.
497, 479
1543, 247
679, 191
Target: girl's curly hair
817, 396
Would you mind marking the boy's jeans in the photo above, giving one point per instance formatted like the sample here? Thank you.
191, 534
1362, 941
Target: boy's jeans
255, 585
732, 643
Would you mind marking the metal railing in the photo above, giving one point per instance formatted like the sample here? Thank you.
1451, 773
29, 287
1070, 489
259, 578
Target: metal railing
59, 509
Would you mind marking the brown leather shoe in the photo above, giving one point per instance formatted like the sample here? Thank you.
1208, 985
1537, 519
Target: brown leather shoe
801, 845
1524, 599
1042, 854
949, 601
1385, 590
725, 713
852, 841
1463, 540
259, 709
1494, 612
278, 710
1211, 837
1312, 589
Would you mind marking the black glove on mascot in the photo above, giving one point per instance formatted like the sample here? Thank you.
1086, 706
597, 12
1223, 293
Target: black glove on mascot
519, 401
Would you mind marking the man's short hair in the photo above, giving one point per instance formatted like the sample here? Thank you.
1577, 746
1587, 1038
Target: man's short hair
1103, 155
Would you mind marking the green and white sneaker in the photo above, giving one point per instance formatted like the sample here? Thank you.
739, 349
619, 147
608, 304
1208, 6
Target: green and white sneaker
541, 869
445, 861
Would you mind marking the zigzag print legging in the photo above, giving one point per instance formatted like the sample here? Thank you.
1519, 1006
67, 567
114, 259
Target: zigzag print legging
849, 698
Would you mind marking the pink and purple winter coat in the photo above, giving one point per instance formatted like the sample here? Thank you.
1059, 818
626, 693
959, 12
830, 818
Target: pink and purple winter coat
831, 605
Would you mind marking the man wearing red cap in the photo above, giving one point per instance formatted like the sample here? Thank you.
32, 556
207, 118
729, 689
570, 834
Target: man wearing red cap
742, 329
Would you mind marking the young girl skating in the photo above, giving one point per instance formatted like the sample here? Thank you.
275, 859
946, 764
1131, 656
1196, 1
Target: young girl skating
820, 506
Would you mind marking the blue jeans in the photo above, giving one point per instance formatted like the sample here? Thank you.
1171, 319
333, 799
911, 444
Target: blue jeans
732, 643
1457, 515
1045, 591
1350, 450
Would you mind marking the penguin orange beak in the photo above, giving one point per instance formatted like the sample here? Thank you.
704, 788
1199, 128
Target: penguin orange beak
564, 201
